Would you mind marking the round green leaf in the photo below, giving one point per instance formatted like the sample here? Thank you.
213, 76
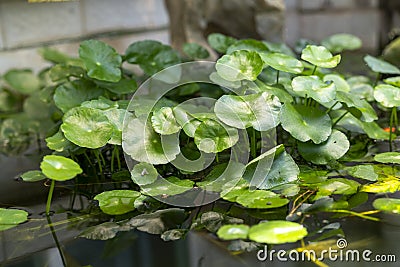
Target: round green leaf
144, 173
59, 168
143, 144
87, 127
33, 176
320, 56
306, 123
332, 149
387, 204
282, 62
261, 199
395, 81
117, 202
260, 111
194, 50
340, 83
101, 60
313, 87
10, 218
342, 41
123, 86
247, 44
367, 112
240, 65
72, 94
212, 137
365, 172
168, 187
380, 66
388, 157
116, 118
163, 121
387, 95
59, 143
337, 186
277, 232
220, 42
233, 231
23, 81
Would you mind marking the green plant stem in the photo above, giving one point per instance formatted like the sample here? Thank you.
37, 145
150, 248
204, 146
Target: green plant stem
339, 119
99, 162
53, 233
253, 146
393, 119
378, 77
118, 159
330, 109
112, 160
314, 70
277, 76
49, 197
216, 157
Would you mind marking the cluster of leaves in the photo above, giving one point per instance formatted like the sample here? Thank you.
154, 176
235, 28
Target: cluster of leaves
323, 120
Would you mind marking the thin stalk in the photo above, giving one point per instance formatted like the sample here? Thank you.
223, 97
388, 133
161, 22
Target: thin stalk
314, 70
112, 160
99, 163
277, 76
330, 109
53, 233
253, 144
378, 77
392, 118
118, 159
216, 157
339, 119
49, 197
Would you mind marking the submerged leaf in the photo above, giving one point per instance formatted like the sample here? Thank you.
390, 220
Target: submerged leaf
33, 176
101, 60
87, 127
59, 168
10, 218
332, 149
117, 202
277, 232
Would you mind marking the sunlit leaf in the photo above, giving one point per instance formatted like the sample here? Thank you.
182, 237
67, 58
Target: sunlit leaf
117, 202
320, 56
87, 127
306, 123
314, 87
340, 83
367, 112
342, 41
388, 157
336, 186
387, 95
277, 232
59, 168
259, 111
247, 44
10, 218
240, 65
332, 149
164, 122
391, 205
380, 66
233, 231
282, 62
365, 172
101, 60
59, 143
388, 185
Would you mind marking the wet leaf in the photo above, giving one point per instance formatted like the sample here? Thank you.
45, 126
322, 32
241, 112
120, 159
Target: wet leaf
72, 94
159, 221
260, 111
314, 87
240, 65
10, 218
380, 66
59, 168
233, 231
387, 95
282, 62
342, 41
277, 232
306, 123
102, 231
320, 56
332, 149
117, 202
144, 173
388, 157
365, 172
213, 137
143, 144
87, 127
33, 176
220, 42
164, 122
101, 60
195, 51
391, 205
23, 81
